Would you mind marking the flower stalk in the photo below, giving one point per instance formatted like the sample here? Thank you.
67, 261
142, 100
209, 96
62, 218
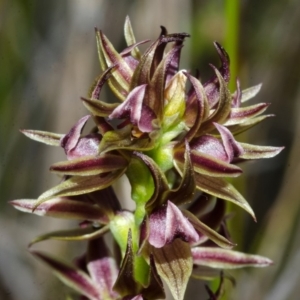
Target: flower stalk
174, 138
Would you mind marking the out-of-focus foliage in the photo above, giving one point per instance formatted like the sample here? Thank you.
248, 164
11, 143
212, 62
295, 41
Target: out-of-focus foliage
48, 58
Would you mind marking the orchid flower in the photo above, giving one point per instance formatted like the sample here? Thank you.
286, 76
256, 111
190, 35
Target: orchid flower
174, 138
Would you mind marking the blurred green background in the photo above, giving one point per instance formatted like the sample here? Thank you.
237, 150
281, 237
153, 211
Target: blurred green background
48, 60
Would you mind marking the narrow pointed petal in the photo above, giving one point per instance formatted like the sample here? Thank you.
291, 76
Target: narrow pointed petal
220, 188
258, 152
209, 165
227, 259
231, 146
168, 223
224, 106
90, 165
160, 182
155, 288
99, 108
48, 138
250, 92
125, 284
62, 208
120, 79
102, 268
96, 88
186, 190
212, 86
174, 264
242, 114
202, 110
79, 185
78, 234
239, 128
70, 140
71, 276
130, 38
237, 96
207, 231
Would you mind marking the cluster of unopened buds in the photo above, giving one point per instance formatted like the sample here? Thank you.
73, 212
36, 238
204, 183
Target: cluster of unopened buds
174, 139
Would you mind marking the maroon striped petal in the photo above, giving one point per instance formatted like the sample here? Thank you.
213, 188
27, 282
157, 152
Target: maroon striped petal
78, 234
71, 276
239, 128
62, 208
90, 165
242, 114
227, 259
79, 185
224, 106
197, 107
209, 165
99, 108
212, 86
174, 264
121, 77
96, 88
258, 152
220, 188
48, 138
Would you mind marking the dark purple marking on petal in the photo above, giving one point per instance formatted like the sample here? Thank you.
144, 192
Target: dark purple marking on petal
199, 105
212, 86
96, 88
209, 165
258, 152
98, 107
71, 276
62, 208
242, 114
241, 127
231, 146
227, 259
90, 165
80, 185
